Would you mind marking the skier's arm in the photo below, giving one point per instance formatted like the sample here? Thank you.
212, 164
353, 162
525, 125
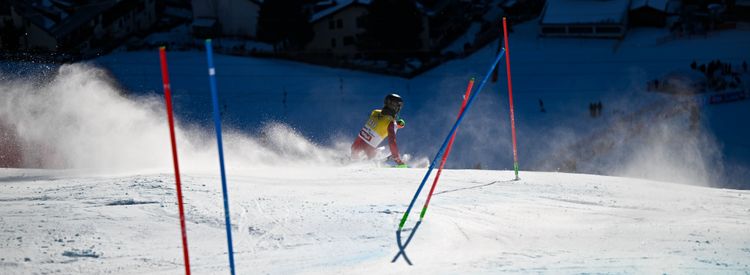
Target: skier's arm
392, 143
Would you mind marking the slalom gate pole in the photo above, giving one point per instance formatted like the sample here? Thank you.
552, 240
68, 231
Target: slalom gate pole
168, 100
217, 122
447, 138
510, 98
447, 151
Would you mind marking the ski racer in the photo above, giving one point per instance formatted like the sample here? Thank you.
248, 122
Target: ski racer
383, 123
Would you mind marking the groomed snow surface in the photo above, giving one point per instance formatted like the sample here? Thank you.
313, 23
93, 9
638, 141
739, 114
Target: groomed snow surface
343, 220
299, 206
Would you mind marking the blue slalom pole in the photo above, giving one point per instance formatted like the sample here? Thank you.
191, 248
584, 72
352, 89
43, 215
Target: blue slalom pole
447, 138
217, 122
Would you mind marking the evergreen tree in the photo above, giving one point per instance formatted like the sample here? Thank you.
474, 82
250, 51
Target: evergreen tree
285, 24
9, 35
392, 30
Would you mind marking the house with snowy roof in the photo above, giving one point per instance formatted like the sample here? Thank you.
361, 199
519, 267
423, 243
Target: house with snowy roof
77, 26
19, 32
235, 18
649, 13
338, 27
584, 18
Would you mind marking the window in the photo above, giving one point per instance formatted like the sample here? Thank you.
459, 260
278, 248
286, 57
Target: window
360, 22
333, 42
348, 40
608, 29
553, 30
340, 23
331, 25
581, 30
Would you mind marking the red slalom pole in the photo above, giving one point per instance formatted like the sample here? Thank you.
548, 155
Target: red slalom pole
510, 97
168, 99
447, 151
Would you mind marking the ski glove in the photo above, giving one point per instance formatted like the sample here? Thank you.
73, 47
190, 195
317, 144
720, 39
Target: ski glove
400, 123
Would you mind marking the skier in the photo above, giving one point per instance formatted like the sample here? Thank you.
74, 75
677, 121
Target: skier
381, 124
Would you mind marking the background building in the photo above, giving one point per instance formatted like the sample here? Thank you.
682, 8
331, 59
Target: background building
649, 13
80, 27
585, 18
235, 18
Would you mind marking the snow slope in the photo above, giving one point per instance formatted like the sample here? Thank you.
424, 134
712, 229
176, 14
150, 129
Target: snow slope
328, 106
342, 220
298, 206
566, 74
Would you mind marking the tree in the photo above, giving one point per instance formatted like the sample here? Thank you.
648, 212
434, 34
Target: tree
392, 30
9, 35
285, 24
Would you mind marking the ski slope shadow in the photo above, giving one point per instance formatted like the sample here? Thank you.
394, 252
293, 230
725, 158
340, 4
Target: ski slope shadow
474, 186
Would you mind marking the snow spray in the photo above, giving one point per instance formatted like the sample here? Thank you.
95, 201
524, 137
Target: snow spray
447, 139
447, 151
510, 97
217, 122
168, 100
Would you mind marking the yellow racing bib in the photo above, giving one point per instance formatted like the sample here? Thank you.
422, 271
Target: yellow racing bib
376, 128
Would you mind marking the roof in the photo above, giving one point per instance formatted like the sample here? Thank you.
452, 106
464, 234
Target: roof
28, 11
82, 16
339, 6
68, 23
660, 5
585, 11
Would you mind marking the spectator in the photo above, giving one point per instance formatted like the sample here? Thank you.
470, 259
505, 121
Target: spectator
541, 106
283, 101
694, 118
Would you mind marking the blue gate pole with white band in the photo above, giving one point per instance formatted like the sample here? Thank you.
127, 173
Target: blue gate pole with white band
217, 122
